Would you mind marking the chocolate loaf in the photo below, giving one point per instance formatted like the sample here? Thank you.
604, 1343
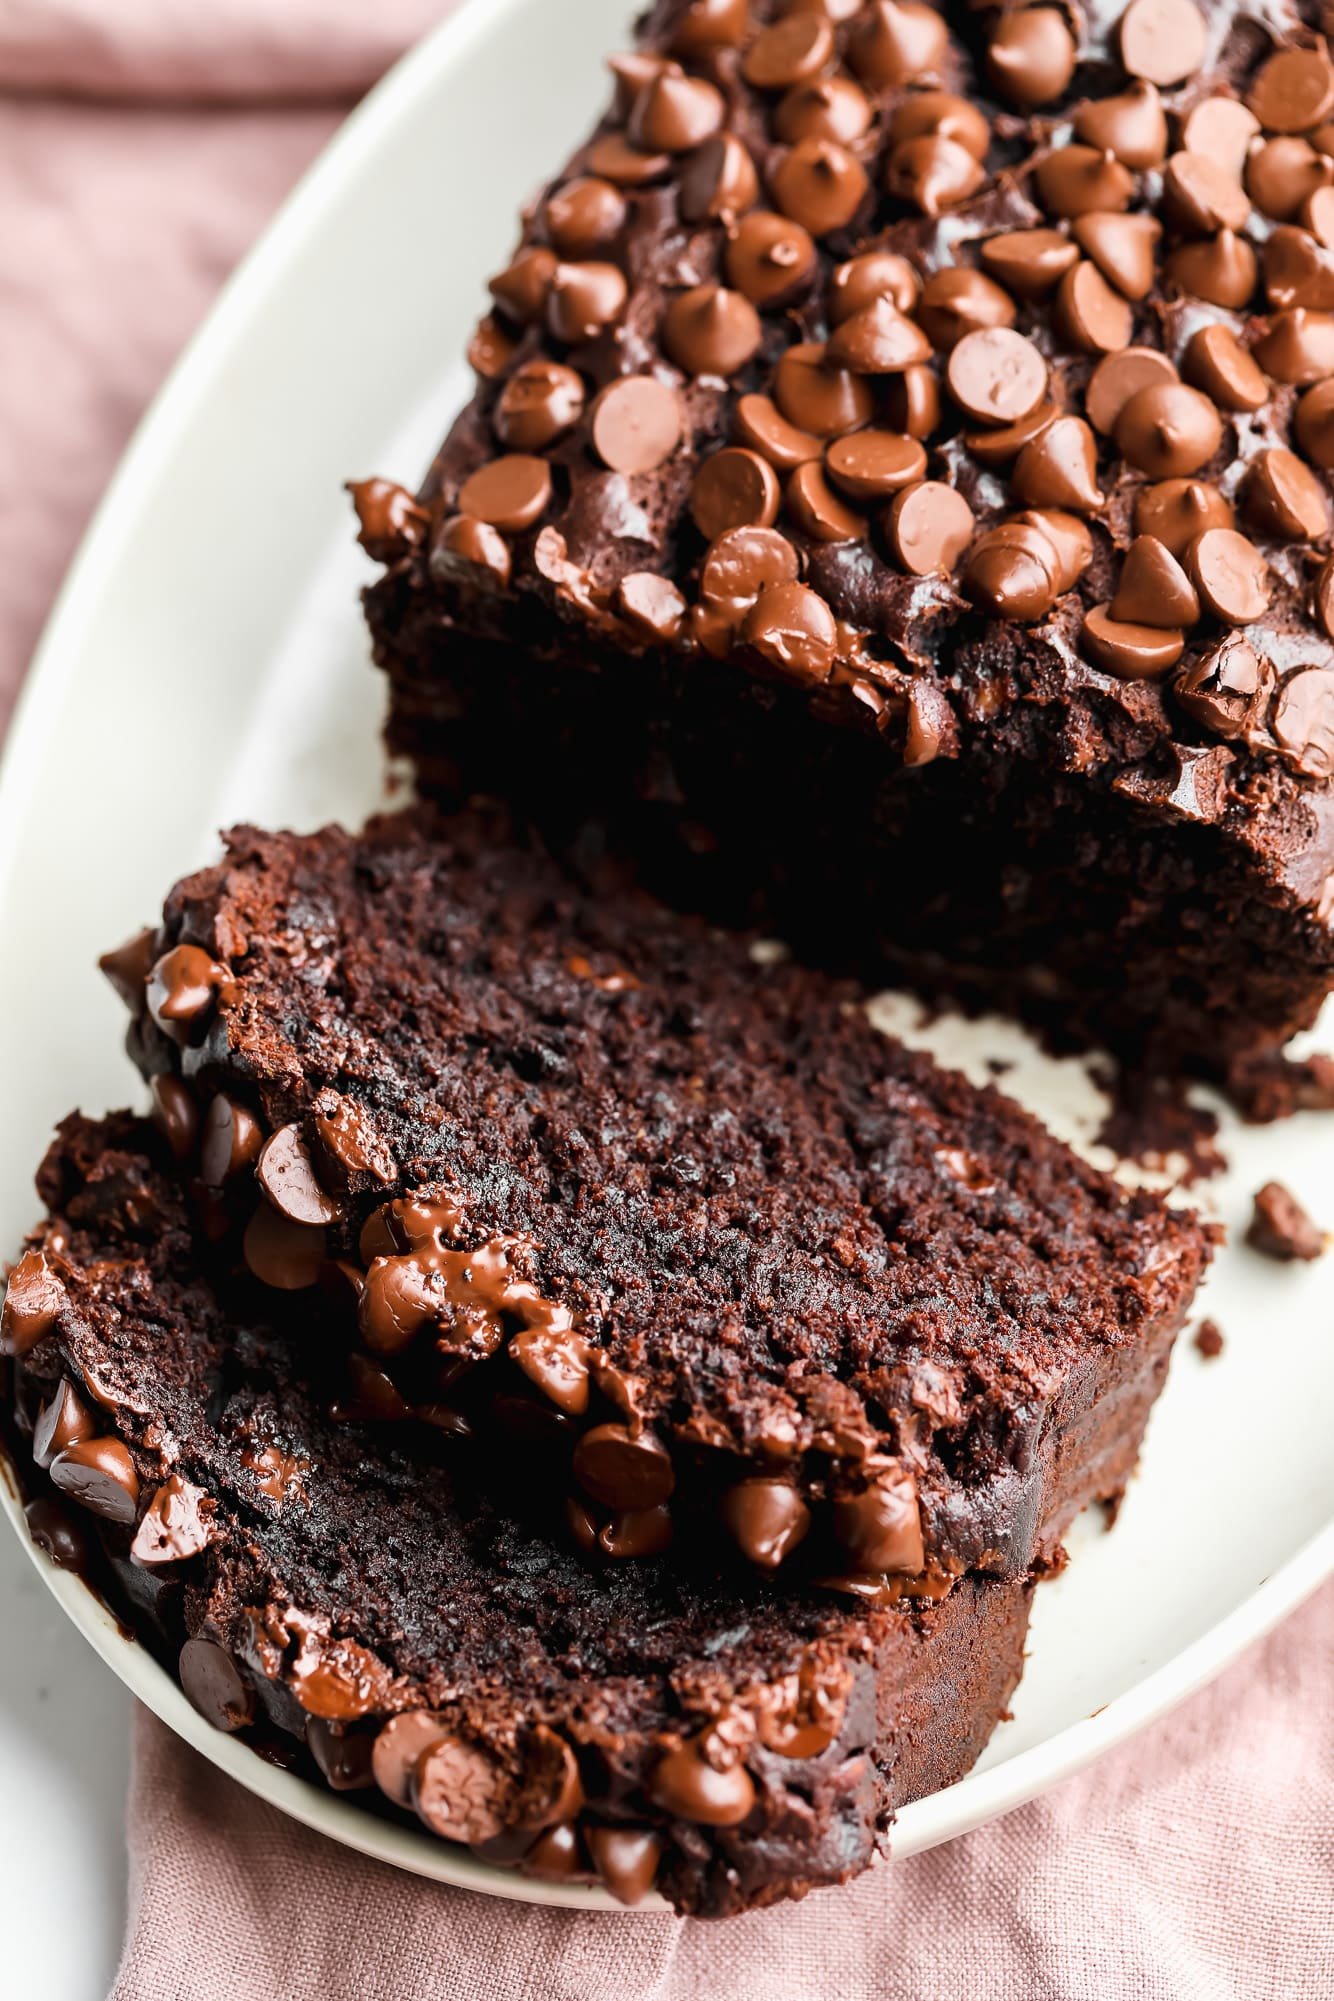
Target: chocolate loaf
568, 1180
894, 507
355, 1610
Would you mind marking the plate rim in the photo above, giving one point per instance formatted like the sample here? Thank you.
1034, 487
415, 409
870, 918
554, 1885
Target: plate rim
956, 1810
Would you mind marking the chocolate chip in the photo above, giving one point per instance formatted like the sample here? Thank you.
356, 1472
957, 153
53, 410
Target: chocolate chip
912, 402
626, 1859
634, 70
1179, 510
585, 215
1031, 56
461, 1791
1302, 721
1201, 197
879, 340
1115, 380
557, 1362
769, 258
929, 525
1078, 179
556, 1856
1122, 247
1314, 424
1324, 596
285, 1255
817, 509
999, 446
1281, 1228
540, 402
996, 375
1169, 430
398, 1749
231, 1141
932, 173
828, 107
582, 299
60, 1539
520, 290
940, 114
706, 25
623, 1469
175, 1114
1230, 575
820, 184
1297, 270
1132, 126
466, 547
790, 50
1318, 217
177, 1524
862, 281
490, 349
99, 1474
959, 299
1131, 652
1284, 498
893, 42
182, 988
703, 1780
1029, 262
1010, 573
61, 1422
818, 395
1221, 129
718, 180
745, 562
793, 629
1282, 174
287, 1176
763, 427
675, 112
511, 493
1069, 537
344, 1756
1163, 41
1294, 90
1298, 347
929, 724
872, 465
1088, 314
1153, 588
766, 1518
735, 488
1222, 270
214, 1685
33, 1299
127, 967
1059, 469
1216, 362
881, 1528
711, 331
616, 158
652, 604
636, 424
633, 1534
1226, 689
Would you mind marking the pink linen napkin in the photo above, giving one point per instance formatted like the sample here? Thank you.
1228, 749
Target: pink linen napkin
1195, 1864
142, 143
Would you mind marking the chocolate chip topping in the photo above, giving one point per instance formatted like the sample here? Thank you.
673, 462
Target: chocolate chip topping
1230, 575
1302, 721
1227, 689
510, 493
636, 424
539, 403
710, 330
1163, 41
996, 375
1132, 652
769, 257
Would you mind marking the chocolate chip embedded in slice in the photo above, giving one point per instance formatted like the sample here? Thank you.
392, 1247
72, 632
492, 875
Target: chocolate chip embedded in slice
793, 630
462, 1791
177, 1524
1281, 1228
1131, 652
287, 1176
623, 1469
230, 1142
1153, 588
1011, 572
626, 1859
766, 1518
215, 1686
1131, 126
100, 1475
182, 989
735, 488
63, 1420
880, 1529
33, 1298
1230, 575
703, 1780
175, 1114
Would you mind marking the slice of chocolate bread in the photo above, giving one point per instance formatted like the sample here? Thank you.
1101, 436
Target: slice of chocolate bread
669, 1224
894, 507
336, 1594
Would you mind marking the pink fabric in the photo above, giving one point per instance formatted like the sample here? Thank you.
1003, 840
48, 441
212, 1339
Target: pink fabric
142, 143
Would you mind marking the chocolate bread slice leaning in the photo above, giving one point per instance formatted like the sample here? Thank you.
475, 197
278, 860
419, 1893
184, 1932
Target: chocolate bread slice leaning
667, 1223
336, 1594
894, 508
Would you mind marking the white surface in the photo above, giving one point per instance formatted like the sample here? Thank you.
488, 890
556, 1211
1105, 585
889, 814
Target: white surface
206, 662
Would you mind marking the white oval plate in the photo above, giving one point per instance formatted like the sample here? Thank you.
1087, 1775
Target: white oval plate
206, 662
